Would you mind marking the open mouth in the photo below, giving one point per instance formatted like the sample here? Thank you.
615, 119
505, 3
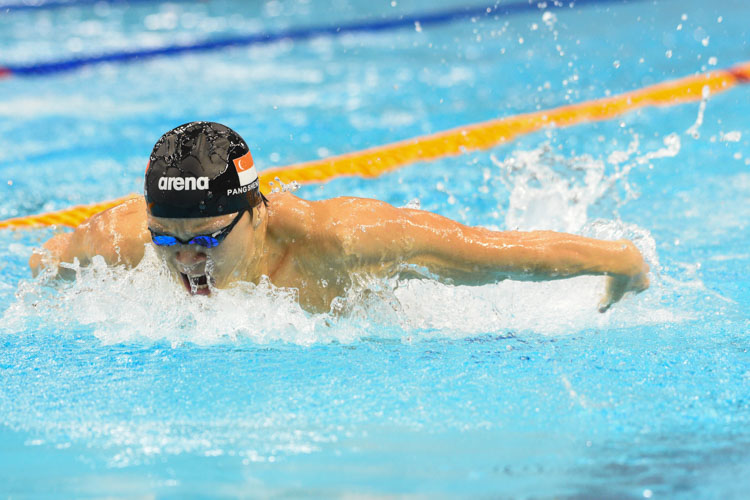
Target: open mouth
196, 285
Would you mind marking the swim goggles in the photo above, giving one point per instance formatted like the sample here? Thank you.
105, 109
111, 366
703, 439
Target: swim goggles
204, 240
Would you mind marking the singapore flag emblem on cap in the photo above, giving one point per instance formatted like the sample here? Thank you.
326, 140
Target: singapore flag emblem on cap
246, 169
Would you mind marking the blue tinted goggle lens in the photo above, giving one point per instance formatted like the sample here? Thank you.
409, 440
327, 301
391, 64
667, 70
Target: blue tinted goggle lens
164, 241
168, 241
204, 241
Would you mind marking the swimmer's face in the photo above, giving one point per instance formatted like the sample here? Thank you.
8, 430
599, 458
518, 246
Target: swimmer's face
196, 266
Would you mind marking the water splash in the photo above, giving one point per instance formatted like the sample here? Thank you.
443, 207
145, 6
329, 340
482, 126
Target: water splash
414, 203
283, 188
551, 191
121, 305
693, 131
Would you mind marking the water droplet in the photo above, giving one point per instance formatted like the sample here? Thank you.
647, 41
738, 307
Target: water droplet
549, 19
733, 136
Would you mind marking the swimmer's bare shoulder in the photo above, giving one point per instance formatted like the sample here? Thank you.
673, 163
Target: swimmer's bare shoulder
325, 226
117, 234
329, 236
301, 230
289, 217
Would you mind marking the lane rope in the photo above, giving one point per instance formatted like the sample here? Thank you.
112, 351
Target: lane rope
297, 34
376, 161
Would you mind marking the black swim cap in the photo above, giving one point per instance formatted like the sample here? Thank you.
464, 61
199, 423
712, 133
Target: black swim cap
200, 169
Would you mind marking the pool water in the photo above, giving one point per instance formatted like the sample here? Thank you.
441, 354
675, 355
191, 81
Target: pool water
119, 384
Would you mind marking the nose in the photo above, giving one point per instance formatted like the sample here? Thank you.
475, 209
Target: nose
189, 257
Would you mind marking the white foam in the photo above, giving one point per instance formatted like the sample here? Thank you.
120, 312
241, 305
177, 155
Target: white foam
144, 303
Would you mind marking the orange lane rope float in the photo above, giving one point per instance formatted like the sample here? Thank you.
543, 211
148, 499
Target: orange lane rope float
379, 160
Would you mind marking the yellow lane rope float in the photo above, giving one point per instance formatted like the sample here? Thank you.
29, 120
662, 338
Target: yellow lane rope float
375, 161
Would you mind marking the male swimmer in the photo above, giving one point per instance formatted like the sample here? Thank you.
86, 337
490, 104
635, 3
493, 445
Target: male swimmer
210, 224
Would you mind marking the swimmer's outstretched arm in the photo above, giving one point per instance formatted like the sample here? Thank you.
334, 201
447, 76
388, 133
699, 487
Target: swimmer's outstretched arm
377, 232
118, 235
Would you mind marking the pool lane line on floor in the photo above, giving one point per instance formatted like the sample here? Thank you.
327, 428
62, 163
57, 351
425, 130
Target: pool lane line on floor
376, 161
423, 19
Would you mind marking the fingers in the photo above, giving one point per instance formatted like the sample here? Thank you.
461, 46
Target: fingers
641, 283
616, 288
50, 254
633, 279
35, 262
604, 306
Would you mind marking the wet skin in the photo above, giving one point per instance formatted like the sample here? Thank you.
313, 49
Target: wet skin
317, 247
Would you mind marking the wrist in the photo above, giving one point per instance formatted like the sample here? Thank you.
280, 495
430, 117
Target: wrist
629, 261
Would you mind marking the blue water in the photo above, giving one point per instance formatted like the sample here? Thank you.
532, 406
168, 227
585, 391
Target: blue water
118, 384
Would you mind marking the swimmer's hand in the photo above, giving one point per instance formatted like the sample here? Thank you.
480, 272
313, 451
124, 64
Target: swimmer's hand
634, 279
50, 255
117, 234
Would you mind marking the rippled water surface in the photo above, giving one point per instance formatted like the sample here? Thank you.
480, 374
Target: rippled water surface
118, 383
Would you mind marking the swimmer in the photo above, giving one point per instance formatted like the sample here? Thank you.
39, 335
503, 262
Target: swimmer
205, 216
